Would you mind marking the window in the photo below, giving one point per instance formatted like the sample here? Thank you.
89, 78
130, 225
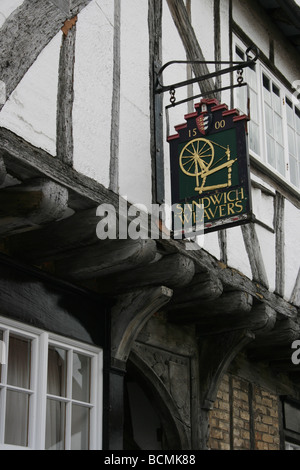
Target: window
291, 424
274, 128
50, 392
293, 125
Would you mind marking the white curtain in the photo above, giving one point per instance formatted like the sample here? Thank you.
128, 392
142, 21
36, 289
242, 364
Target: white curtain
55, 420
17, 403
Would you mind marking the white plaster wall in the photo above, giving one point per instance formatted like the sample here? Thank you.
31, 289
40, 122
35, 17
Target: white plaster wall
292, 246
211, 244
203, 23
7, 7
30, 111
172, 49
237, 256
225, 47
263, 207
267, 246
134, 145
252, 24
93, 76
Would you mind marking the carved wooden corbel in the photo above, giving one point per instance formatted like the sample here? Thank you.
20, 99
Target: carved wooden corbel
129, 315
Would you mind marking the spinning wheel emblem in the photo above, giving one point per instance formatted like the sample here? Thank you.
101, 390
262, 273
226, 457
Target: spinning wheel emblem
197, 159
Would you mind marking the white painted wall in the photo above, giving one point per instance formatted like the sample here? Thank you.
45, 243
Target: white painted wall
134, 145
30, 111
7, 7
292, 246
93, 76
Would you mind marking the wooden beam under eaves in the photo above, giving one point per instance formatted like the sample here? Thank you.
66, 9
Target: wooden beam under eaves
34, 203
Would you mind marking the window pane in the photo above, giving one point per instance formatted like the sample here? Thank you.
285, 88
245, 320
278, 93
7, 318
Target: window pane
57, 372
277, 103
16, 418
271, 151
269, 120
80, 428
254, 137
81, 377
280, 159
294, 170
297, 117
254, 106
289, 112
18, 369
278, 128
55, 425
291, 140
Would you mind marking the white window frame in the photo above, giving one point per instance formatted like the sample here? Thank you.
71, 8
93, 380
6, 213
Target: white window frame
41, 340
284, 92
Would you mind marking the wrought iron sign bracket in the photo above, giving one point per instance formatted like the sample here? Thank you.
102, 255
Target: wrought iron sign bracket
233, 66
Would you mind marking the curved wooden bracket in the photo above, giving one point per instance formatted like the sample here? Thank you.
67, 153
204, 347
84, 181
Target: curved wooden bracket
129, 315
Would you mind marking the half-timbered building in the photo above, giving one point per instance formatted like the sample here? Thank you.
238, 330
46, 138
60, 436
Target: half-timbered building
148, 342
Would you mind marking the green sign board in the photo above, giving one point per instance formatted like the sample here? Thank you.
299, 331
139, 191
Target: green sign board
210, 168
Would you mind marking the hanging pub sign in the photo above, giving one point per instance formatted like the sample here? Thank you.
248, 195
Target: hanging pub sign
210, 168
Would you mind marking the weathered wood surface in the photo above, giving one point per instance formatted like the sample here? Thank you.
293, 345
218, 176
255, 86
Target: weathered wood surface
295, 297
65, 97
254, 254
231, 305
2, 171
204, 286
76, 232
105, 258
260, 320
25, 34
277, 342
130, 313
193, 50
26, 162
116, 99
279, 243
171, 271
36, 203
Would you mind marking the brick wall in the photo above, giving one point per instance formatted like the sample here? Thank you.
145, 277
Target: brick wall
244, 417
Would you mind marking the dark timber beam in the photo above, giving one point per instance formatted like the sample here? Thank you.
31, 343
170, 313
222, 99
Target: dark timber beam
260, 320
105, 258
172, 271
37, 202
254, 254
190, 42
204, 287
25, 34
65, 95
231, 305
277, 343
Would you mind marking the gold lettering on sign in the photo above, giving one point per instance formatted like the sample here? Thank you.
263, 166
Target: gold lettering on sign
215, 206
